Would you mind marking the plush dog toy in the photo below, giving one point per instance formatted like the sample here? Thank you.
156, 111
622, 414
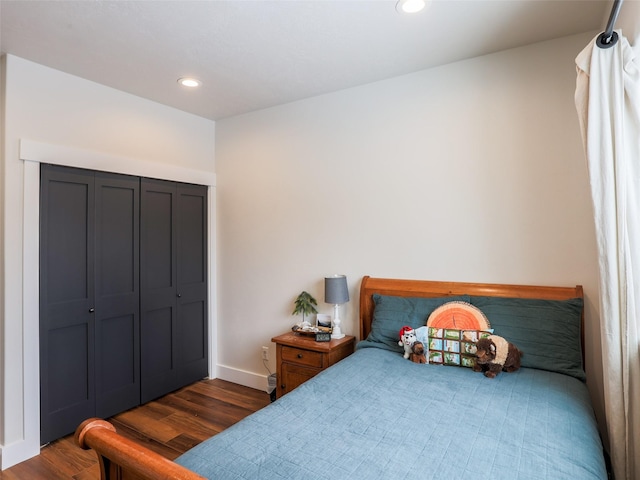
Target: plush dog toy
417, 354
494, 354
407, 338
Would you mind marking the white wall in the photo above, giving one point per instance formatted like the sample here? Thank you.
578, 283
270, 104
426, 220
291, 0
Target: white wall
629, 23
84, 119
473, 171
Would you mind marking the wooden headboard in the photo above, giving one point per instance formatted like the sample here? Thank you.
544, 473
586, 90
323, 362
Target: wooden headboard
426, 288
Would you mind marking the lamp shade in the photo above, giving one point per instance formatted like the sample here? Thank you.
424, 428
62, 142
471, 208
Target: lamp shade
335, 290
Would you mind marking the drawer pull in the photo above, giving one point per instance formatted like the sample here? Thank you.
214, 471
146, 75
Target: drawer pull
299, 355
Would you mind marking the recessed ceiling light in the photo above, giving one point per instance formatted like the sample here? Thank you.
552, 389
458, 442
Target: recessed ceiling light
189, 82
410, 6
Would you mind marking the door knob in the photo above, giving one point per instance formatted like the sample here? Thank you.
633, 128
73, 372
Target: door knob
179, 295
91, 310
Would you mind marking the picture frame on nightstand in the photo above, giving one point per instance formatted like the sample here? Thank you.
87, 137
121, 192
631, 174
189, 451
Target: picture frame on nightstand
323, 320
323, 325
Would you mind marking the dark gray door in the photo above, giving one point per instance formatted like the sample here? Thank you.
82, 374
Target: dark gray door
123, 293
117, 297
89, 297
67, 352
192, 283
158, 301
173, 269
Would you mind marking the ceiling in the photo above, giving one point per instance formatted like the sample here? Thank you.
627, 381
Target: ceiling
251, 55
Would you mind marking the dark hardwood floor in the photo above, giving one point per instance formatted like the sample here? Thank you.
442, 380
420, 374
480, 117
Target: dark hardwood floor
170, 426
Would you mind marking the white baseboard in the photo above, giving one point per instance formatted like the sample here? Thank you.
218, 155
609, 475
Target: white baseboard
242, 377
17, 452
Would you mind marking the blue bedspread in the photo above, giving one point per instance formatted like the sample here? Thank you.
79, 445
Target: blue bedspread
376, 415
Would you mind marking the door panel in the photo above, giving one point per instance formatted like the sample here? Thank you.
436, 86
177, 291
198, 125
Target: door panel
117, 309
70, 388
193, 321
67, 211
192, 327
158, 331
117, 234
158, 288
67, 351
159, 239
118, 338
192, 240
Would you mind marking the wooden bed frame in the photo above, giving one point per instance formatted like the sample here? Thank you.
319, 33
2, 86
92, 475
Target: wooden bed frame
123, 459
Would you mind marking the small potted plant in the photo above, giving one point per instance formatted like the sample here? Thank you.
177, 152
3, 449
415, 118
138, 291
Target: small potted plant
305, 305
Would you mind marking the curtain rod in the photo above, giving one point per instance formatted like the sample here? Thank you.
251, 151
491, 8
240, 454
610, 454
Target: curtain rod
609, 38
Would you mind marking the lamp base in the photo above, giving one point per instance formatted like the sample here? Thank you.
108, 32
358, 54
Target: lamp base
336, 332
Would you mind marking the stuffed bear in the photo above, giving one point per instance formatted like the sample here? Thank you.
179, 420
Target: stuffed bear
407, 338
494, 354
417, 354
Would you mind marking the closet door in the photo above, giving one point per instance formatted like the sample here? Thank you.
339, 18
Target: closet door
192, 328
158, 301
173, 263
66, 300
117, 297
89, 297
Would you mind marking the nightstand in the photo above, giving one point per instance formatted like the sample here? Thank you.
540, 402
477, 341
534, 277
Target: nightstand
300, 357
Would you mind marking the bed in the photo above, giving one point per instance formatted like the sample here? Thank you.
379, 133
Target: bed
376, 415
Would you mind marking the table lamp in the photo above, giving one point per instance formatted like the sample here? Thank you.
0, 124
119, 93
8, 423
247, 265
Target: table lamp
336, 293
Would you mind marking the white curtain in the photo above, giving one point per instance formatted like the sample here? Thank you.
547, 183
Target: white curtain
608, 103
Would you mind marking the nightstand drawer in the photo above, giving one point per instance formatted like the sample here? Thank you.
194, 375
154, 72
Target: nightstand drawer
302, 357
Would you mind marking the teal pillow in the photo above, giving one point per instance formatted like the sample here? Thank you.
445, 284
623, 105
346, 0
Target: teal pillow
392, 313
547, 331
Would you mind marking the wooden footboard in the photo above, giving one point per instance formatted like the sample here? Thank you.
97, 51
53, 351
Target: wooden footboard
123, 459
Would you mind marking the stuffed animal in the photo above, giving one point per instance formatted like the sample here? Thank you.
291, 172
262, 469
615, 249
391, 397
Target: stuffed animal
407, 338
494, 354
417, 354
